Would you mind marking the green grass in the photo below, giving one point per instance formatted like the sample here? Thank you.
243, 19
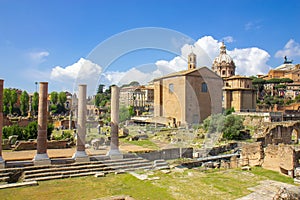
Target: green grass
143, 143
188, 185
88, 188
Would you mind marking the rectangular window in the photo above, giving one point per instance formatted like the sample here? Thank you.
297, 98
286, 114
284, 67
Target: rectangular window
171, 87
203, 87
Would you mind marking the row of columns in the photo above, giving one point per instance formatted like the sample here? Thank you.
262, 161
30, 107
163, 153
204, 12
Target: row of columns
80, 155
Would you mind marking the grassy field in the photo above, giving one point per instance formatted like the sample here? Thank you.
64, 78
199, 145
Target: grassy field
184, 185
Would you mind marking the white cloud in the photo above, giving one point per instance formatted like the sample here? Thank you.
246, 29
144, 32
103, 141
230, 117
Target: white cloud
249, 61
253, 25
291, 49
228, 39
81, 72
38, 57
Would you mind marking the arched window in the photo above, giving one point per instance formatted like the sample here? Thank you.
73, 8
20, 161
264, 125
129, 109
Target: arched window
203, 87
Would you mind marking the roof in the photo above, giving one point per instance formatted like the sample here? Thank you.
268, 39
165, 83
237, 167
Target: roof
237, 77
186, 72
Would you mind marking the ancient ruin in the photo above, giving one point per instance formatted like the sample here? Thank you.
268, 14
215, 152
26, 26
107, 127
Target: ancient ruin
114, 151
80, 154
2, 162
41, 157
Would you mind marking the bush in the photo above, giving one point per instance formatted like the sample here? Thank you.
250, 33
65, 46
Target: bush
25, 133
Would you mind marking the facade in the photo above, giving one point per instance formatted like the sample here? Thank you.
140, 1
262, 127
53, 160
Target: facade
141, 98
188, 96
223, 64
239, 94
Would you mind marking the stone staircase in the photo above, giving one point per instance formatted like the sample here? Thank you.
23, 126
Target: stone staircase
59, 171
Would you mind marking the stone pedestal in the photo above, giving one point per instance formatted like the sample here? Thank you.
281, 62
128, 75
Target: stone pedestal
2, 162
41, 157
80, 154
114, 151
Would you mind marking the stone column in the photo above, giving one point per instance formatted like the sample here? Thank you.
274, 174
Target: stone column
80, 154
41, 157
2, 162
114, 152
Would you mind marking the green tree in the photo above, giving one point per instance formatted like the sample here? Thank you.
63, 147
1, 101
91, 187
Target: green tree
54, 97
13, 99
214, 123
124, 113
6, 100
62, 98
24, 103
233, 125
35, 102
100, 89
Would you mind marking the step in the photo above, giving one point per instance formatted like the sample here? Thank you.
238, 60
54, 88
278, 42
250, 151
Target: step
85, 166
65, 172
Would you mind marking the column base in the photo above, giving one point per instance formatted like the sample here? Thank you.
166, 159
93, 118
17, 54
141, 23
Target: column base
81, 156
2, 163
115, 154
41, 159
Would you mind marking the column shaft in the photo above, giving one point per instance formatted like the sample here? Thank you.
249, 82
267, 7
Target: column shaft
41, 157
81, 118
2, 165
114, 152
80, 154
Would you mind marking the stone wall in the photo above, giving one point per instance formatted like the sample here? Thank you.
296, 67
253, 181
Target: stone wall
24, 145
168, 154
252, 154
282, 158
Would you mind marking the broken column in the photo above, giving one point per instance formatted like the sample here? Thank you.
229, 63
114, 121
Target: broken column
80, 154
41, 157
2, 162
114, 152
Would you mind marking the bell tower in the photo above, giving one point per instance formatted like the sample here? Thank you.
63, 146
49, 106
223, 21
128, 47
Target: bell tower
192, 61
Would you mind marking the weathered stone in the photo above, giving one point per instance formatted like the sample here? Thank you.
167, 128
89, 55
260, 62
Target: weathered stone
12, 139
252, 154
99, 174
41, 157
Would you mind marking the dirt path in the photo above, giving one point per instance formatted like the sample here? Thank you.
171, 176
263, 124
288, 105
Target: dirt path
66, 153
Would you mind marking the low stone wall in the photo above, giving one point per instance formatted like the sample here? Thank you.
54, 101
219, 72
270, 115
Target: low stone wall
223, 148
24, 145
168, 154
282, 158
252, 154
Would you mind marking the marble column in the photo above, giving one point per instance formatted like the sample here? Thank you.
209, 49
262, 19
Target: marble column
41, 157
114, 152
2, 162
80, 154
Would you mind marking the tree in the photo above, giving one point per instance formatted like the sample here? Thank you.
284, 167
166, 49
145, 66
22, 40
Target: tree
100, 89
54, 97
124, 113
214, 123
35, 102
6, 99
13, 99
62, 98
24, 103
233, 125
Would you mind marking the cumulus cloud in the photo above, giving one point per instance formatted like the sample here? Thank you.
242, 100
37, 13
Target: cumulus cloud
81, 72
291, 49
249, 61
228, 39
38, 57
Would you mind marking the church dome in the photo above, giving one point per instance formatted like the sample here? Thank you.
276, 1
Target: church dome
223, 58
223, 64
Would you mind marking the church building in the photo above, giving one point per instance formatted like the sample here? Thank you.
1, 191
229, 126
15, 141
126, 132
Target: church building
238, 92
189, 96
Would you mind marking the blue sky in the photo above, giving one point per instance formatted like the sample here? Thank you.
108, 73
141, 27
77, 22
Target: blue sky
39, 39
